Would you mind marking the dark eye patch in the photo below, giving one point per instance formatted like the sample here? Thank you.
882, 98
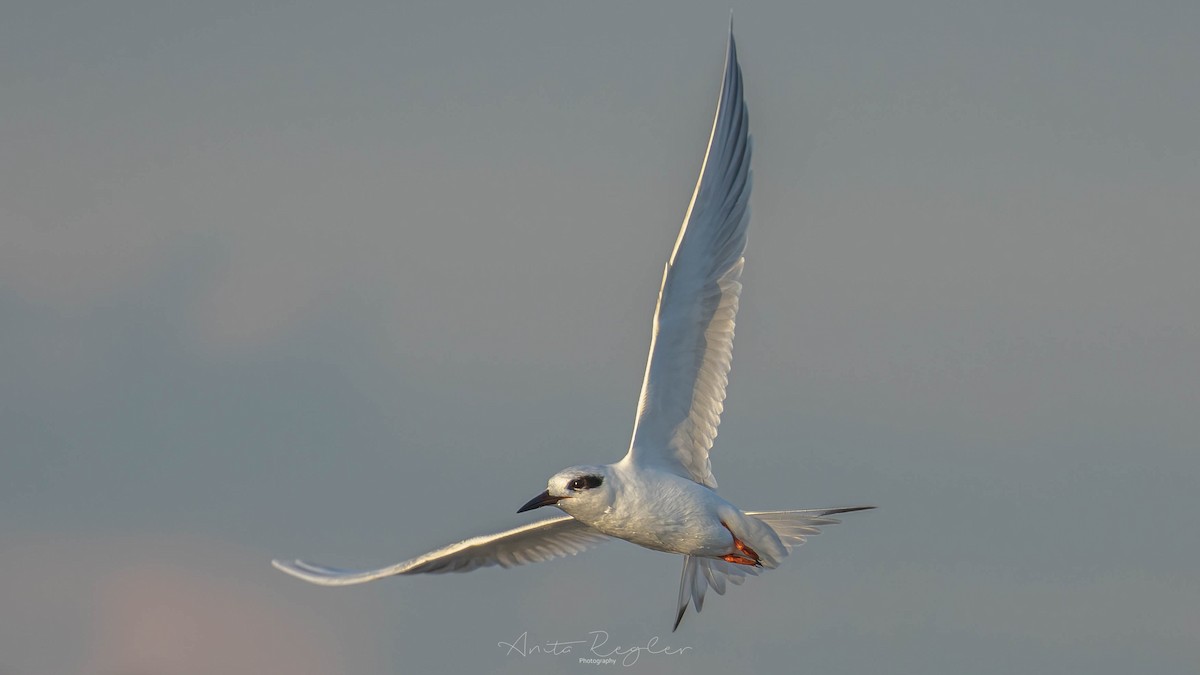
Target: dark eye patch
585, 482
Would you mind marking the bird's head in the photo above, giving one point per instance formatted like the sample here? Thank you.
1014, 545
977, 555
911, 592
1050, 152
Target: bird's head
577, 490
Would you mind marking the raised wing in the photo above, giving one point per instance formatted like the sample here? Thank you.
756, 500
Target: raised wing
691, 346
536, 542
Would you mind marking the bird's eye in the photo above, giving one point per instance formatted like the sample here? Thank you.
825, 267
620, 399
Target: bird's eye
585, 483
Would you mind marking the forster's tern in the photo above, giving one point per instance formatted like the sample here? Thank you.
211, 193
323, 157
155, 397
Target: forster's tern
662, 494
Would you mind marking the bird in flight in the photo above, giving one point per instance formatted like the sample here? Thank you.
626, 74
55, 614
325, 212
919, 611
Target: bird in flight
662, 494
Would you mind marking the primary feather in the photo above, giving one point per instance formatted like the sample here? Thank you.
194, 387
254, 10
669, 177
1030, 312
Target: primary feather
691, 345
535, 542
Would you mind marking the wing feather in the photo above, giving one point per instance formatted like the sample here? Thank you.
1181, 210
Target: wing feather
691, 346
535, 542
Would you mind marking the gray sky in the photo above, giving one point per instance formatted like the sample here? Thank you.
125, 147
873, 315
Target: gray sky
351, 282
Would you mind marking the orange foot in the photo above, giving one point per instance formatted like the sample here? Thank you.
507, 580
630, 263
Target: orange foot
747, 557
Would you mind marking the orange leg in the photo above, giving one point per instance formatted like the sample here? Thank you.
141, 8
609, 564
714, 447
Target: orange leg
747, 557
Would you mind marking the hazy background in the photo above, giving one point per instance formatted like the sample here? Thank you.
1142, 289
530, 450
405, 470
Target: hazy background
348, 283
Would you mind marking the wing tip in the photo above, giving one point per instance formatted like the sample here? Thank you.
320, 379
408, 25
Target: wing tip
294, 568
313, 574
290, 566
732, 48
847, 509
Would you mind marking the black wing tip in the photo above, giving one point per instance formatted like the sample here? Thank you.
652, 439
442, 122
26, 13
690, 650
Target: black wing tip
848, 509
679, 618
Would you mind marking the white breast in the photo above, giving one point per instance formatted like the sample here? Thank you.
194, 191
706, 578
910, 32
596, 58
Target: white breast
665, 512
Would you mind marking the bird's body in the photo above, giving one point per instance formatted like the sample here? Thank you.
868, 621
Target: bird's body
662, 494
687, 518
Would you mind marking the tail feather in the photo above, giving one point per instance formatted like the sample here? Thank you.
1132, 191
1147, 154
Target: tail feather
717, 581
793, 527
685, 586
700, 573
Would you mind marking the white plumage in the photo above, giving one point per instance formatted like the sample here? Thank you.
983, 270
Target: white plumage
661, 495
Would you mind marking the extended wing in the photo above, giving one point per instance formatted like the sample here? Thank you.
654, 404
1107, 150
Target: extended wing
536, 542
691, 346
